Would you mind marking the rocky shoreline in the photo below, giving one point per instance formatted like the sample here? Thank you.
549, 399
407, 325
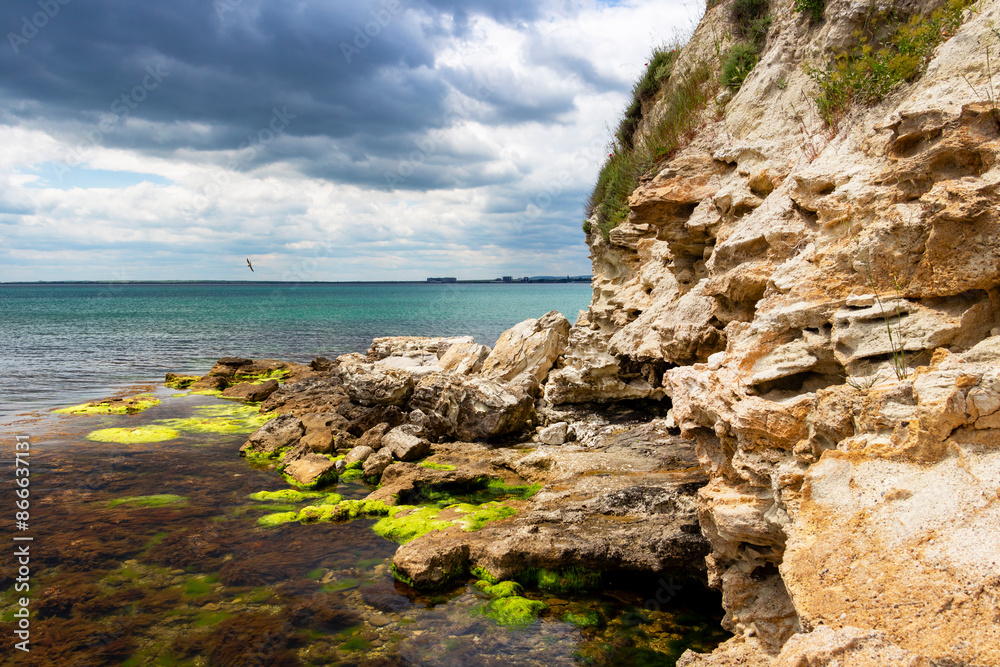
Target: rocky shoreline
611, 490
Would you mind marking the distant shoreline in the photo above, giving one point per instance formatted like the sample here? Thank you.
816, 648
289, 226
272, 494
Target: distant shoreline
533, 281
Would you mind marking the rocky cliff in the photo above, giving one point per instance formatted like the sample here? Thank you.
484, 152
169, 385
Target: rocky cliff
817, 294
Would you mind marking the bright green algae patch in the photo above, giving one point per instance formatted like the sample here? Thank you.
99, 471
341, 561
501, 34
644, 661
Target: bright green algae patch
514, 611
477, 516
503, 589
135, 435
159, 500
286, 496
124, 406
181, 381
260, 378
227, 418
436, 466
409, 523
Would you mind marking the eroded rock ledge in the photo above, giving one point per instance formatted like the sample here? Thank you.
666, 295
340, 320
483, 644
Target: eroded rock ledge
821, 307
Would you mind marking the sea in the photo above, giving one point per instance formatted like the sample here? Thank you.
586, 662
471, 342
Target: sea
65, 343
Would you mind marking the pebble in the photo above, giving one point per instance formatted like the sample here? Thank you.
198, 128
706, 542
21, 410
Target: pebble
380, 621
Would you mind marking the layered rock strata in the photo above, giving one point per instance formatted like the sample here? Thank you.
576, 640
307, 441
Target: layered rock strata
820, 306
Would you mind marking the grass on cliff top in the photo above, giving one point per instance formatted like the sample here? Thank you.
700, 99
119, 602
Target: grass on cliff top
891, 49
630, 158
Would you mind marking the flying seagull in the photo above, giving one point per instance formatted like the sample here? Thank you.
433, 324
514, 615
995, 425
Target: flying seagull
249, 264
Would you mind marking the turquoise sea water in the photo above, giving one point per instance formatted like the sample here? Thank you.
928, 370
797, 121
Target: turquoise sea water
61, 344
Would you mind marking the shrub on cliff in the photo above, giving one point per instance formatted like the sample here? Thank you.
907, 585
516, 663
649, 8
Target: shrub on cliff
891, 49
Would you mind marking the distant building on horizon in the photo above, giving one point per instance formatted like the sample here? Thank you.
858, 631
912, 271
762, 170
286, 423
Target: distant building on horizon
507, 279
442, 280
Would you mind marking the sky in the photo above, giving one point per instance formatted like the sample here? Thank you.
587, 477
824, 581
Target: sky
324, 140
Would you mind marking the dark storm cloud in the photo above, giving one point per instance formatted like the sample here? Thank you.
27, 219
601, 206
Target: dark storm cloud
210, 74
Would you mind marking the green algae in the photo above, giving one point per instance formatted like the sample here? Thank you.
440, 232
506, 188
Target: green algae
181, 381
126, 406
478, 516
159, 500
286, 496
503, 589
569, 580
226, 418
514, 611
401, 576
583, 620
252, 456
134, 435
277, 519
484, 574
279, 374
482, 490
409, 523
436, 466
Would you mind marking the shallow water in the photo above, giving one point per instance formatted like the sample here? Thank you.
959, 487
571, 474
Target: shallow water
189, 579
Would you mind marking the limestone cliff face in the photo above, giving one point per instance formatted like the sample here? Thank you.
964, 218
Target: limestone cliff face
765, 277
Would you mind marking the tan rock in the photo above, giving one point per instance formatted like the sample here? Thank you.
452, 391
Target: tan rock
471, 408
529, 347
464, 358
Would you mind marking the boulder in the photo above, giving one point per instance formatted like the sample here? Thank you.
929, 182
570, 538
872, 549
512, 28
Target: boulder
404, 445
320, 442
216, 382
359, 453
248, 391
371, 384
432, 561
312, 394
372, 438
227, 366
312, 469
282, 431
376, 464
556, 434
588, 373
470, 408
531, 346
464, 358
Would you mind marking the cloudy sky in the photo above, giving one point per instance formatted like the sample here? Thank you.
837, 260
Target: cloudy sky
324, 139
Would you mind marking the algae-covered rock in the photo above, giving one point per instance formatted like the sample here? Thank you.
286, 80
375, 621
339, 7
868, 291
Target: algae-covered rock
112, 406
134, 435
277, 519
514, 611
287, 496
502, 589
175, 381
408, 523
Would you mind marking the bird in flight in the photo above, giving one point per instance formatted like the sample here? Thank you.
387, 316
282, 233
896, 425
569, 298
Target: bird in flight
250, 265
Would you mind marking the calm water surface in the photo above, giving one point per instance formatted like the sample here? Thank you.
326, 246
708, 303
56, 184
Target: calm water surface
61, 343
